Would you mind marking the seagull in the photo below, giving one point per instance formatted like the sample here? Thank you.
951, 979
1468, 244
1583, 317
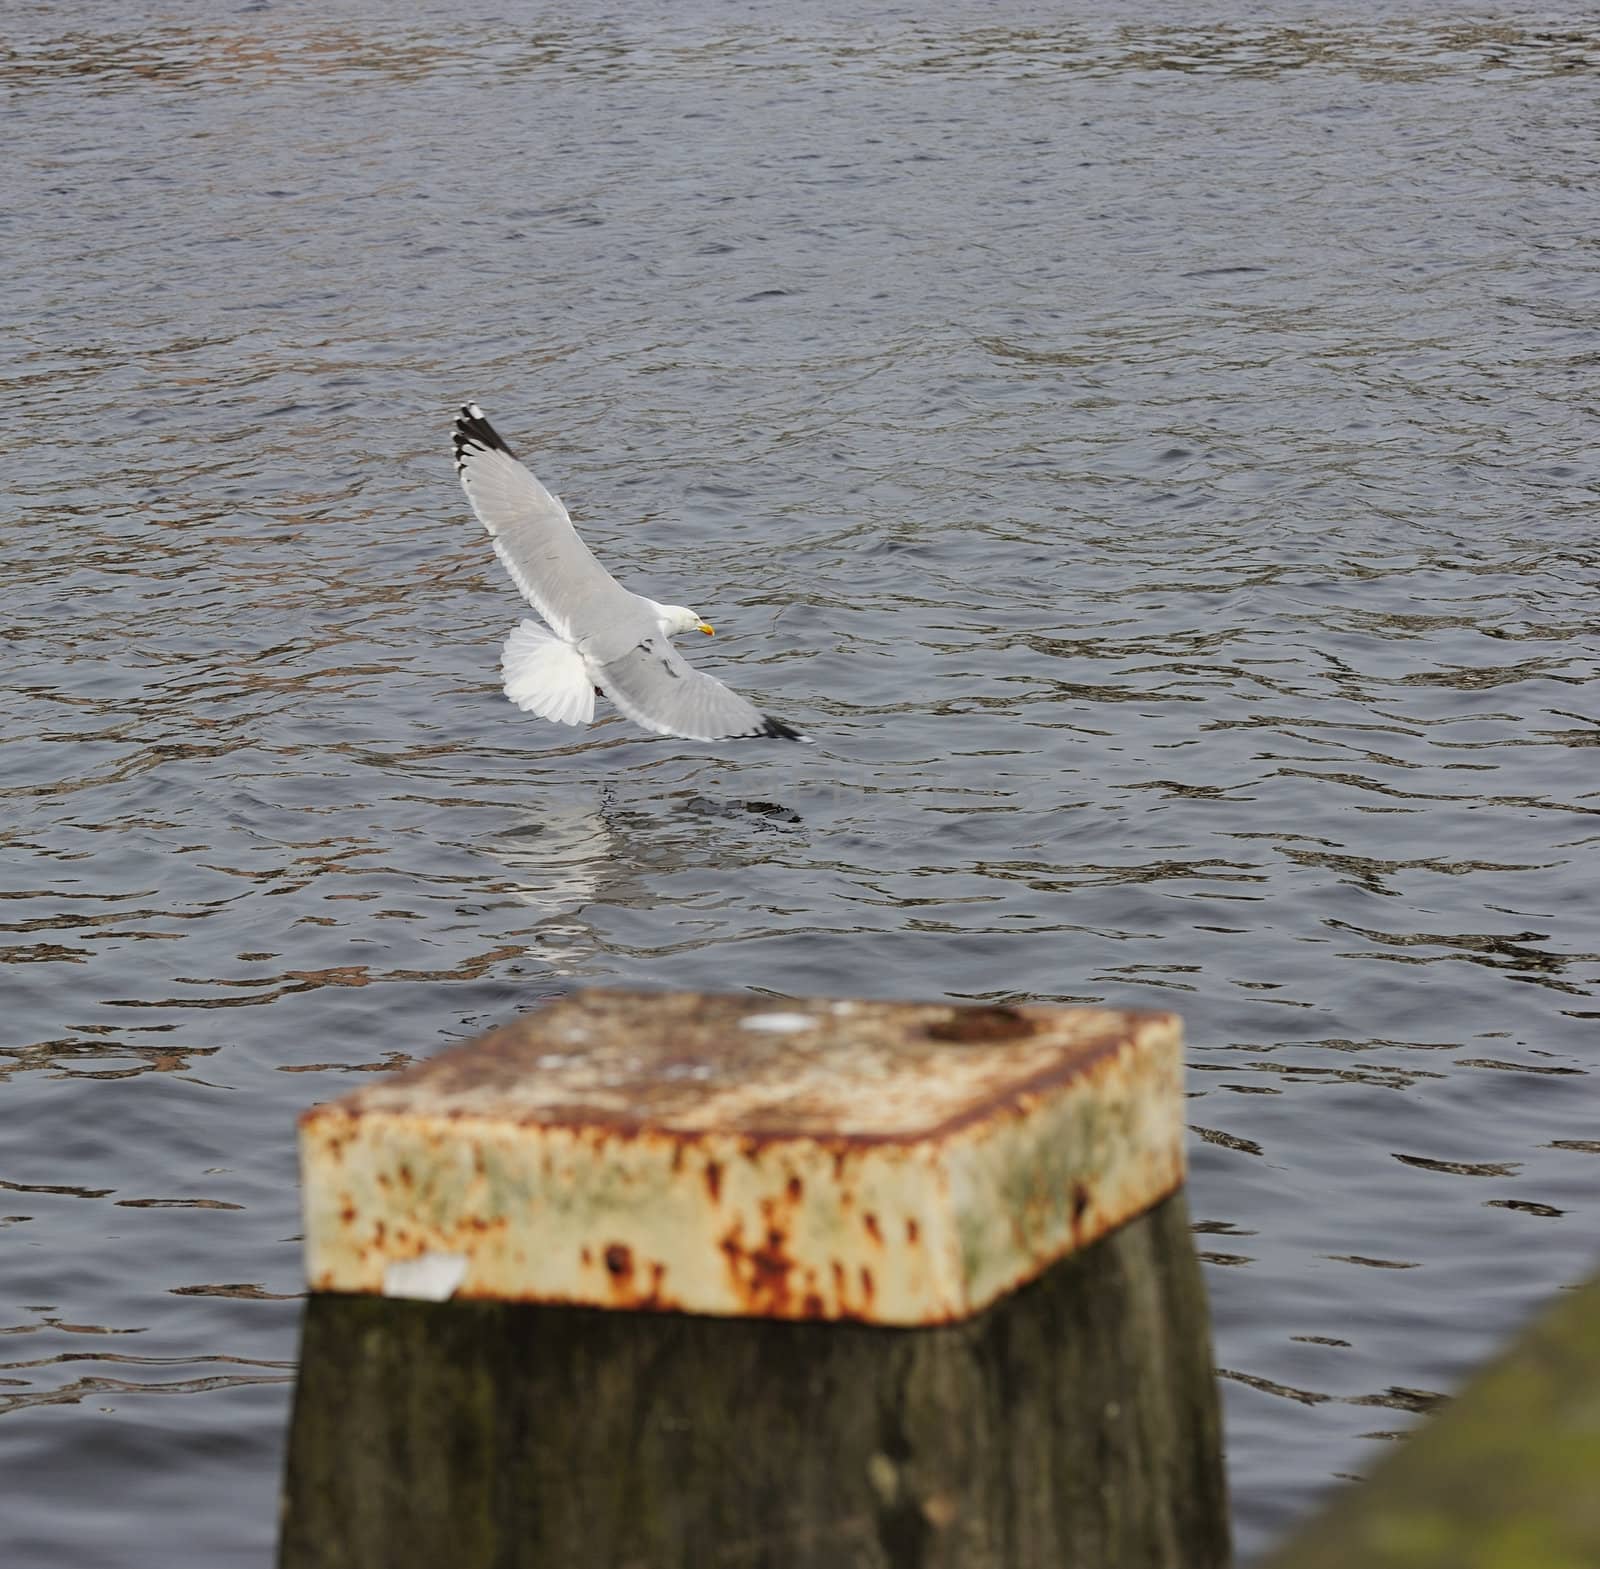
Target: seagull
599, 634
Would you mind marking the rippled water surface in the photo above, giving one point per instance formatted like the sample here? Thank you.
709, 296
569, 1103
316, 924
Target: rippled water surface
1154, 453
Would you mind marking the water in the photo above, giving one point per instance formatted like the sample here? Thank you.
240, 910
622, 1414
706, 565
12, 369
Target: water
1157, 459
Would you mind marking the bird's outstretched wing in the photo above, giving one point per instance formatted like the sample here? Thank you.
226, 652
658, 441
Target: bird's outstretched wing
533, 536
655, 686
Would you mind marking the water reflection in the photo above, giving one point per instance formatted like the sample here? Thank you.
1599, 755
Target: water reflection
558, 861
251, 54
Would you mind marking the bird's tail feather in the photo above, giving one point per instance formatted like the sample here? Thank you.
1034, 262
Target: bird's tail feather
546, 675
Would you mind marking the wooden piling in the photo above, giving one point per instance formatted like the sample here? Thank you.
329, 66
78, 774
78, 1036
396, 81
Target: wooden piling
735, 1283
1507, 1476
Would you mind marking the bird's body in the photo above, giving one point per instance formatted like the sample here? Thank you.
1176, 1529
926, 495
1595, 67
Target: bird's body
600, 634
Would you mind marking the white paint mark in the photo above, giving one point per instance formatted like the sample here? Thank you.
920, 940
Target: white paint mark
777, 1023
431, 1278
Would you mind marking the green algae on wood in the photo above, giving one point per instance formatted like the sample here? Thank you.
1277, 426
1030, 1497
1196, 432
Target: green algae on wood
1507, 1476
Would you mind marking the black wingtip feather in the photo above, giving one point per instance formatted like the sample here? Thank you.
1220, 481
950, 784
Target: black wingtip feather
474, 433
777, 729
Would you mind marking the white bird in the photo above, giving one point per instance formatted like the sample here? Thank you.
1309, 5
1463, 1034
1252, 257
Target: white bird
601, 635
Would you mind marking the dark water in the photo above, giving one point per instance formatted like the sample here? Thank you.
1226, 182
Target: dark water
1157, 458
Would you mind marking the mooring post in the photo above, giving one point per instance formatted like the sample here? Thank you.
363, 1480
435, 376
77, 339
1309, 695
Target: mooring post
650, 1281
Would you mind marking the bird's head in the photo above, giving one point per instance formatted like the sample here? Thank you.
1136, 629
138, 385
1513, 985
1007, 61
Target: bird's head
679, 618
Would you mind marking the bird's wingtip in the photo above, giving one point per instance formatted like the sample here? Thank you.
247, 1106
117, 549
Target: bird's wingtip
474, 434
777, 729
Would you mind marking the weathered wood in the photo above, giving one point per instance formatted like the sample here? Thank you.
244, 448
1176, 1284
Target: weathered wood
1507, 1476
1074, 1423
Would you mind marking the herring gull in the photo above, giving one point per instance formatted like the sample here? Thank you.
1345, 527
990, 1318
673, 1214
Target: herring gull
600, 634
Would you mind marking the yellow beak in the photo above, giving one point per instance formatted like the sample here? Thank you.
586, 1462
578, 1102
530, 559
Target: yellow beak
708, 629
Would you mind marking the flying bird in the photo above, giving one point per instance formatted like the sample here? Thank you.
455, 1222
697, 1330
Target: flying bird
599, 634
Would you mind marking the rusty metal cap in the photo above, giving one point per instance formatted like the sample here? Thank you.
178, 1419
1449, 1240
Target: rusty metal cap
894, 1163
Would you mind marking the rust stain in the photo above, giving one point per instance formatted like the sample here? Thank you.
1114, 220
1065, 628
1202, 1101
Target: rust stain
806, 1305
760, 1275
619, 1260
874, 1110
706, 1030
978, 1026
1057, 1076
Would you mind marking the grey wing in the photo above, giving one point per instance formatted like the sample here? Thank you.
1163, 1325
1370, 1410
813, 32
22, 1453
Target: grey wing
655, 686
533, 536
